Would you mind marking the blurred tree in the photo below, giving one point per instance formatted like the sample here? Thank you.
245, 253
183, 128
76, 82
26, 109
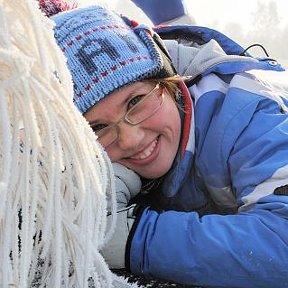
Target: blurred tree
233, 30
266, 26
266, 17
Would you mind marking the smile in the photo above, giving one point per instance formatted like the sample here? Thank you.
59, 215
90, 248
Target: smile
146, 152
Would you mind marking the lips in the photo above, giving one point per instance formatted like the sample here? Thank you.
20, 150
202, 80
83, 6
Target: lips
145, 153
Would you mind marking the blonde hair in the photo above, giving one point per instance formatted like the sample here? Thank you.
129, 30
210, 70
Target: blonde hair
54, 176
170, 83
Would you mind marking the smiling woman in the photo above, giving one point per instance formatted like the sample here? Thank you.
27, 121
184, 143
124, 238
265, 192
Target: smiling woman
204, 174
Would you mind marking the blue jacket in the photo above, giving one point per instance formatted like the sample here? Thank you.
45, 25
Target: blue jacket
228, 187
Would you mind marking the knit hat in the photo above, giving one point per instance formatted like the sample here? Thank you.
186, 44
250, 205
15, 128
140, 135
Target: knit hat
106, 51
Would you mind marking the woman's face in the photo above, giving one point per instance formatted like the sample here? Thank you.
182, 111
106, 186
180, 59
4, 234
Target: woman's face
148, 148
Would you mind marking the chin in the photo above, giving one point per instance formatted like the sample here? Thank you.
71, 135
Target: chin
153, 174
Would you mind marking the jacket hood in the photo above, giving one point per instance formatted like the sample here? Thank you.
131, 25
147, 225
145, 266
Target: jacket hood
201, 59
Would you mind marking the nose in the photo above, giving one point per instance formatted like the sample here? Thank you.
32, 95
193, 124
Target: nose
129, 136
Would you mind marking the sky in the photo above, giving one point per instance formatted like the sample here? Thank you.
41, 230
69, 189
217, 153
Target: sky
239, 12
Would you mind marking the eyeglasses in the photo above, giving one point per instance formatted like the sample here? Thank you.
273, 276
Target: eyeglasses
147, 106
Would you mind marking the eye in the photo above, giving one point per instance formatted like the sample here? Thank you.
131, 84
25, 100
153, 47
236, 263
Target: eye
97, 127
134, 101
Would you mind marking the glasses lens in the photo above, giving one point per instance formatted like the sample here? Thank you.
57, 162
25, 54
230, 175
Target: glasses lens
107, 136
146, 107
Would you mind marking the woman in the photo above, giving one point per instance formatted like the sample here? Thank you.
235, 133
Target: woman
210, 147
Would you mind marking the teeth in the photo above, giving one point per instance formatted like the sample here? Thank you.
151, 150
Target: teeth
147, 152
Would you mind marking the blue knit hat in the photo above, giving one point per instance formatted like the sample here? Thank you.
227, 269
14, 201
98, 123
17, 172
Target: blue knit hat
105, 52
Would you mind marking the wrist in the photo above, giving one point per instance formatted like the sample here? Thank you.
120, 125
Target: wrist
118, 246
137, 212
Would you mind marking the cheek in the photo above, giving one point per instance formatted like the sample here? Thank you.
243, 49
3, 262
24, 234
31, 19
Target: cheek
113, 154
167, 123
169, 116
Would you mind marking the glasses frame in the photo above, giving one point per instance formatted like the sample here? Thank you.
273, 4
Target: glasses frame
125, 117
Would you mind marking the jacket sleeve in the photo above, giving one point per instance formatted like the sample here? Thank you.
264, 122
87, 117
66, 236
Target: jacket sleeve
159, 12
247, 249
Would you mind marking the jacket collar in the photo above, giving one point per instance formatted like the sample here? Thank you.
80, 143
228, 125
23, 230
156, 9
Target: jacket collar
184, 158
